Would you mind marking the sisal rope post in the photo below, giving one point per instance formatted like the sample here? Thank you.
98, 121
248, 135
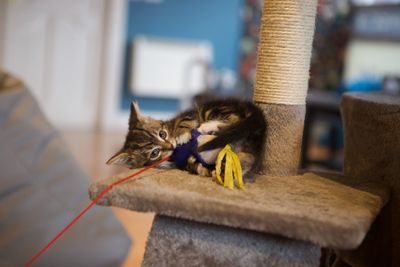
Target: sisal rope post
282, 72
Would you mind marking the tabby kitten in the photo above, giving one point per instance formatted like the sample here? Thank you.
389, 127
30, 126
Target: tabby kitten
238, 123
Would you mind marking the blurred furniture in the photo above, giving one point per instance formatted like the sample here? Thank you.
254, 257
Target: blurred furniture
376, 20
391, 85
322, 106
373, 51
55, 46
169, 68
42, 188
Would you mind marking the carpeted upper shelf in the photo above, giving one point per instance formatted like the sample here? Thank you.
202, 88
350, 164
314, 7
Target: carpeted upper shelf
306, 207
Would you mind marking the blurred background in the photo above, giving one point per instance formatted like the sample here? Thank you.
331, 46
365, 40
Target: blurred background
86, 60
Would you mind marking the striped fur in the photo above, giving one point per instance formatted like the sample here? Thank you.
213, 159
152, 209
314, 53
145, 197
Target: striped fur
238, 123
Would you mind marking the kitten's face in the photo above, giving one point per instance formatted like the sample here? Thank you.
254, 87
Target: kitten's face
148, 141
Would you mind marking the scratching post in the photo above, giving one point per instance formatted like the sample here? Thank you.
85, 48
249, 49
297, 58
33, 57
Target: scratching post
176, 242
372, 150
282, 80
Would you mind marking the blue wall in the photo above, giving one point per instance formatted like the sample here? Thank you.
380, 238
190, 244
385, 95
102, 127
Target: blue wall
217, 21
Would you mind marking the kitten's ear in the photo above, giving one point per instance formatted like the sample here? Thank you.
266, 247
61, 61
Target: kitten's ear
135, 114
120, 158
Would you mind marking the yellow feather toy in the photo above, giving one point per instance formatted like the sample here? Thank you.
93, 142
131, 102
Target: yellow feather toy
233, 169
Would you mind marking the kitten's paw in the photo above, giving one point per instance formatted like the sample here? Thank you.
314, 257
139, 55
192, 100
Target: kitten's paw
183, 138
203, 171
210, 127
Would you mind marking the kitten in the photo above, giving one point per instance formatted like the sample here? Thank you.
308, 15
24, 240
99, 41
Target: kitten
238, 123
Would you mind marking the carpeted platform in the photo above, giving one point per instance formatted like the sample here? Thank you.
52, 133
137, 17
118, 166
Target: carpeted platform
306, 207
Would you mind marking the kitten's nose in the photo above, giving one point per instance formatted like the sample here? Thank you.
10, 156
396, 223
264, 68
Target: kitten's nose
168, 146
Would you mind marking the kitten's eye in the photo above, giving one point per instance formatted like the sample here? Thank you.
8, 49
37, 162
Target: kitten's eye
155, 153
163, 134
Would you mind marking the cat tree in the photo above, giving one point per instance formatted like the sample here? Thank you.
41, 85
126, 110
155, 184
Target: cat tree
283, 219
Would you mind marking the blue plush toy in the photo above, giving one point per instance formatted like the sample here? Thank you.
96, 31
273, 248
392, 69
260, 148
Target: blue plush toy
182, 152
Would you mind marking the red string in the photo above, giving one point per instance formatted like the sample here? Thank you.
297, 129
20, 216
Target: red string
91, 204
